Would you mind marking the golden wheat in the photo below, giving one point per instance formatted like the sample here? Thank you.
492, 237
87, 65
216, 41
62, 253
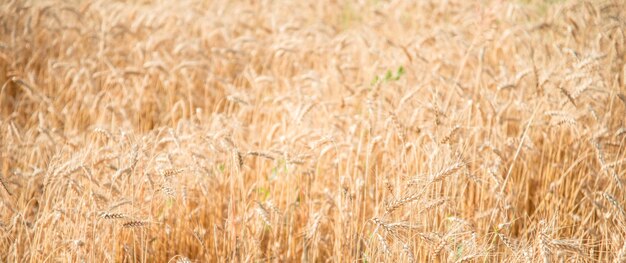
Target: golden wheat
342, 131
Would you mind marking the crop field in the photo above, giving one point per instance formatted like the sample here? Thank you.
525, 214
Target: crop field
312, 131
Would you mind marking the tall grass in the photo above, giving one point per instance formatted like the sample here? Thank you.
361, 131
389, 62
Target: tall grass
409, 131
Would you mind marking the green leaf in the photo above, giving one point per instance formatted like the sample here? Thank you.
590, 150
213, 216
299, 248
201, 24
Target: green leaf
263, 192
400, 72
274, 174
389, 75
375, 81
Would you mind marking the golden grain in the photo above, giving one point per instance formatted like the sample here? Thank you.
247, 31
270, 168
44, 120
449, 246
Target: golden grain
312, 131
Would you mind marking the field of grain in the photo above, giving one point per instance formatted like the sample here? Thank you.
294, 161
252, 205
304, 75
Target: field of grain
312, 131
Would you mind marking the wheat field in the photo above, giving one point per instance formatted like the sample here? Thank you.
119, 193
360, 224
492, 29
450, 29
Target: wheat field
312, 131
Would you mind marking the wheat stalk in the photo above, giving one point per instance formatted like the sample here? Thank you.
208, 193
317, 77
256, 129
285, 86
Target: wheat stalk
263, 213
409, 253
135, 224
4, 185
106, 215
